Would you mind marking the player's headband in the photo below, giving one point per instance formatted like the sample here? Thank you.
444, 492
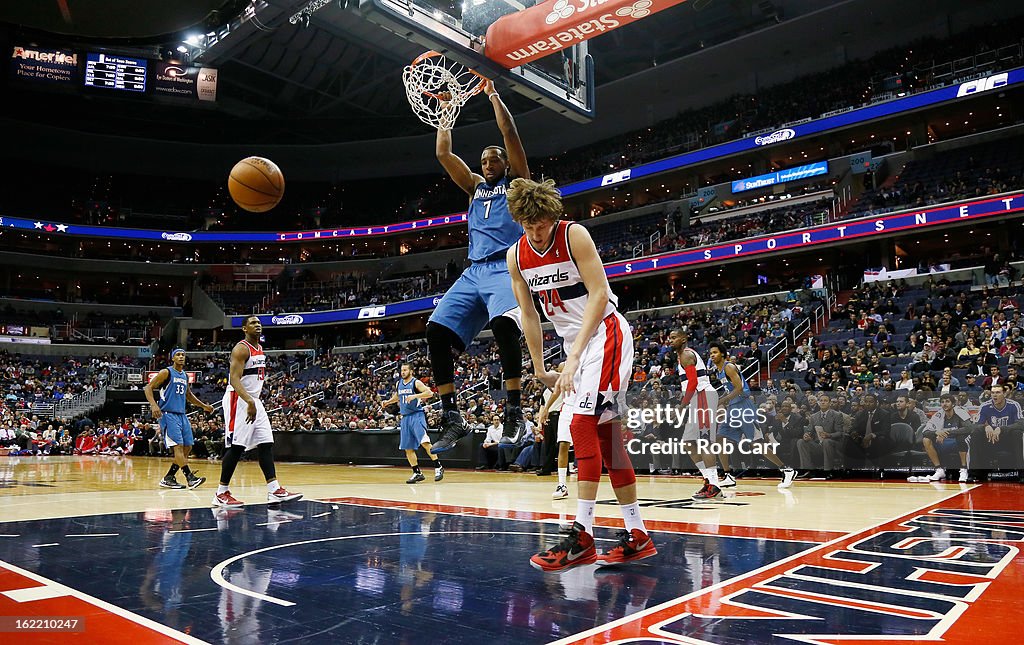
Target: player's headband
176, 350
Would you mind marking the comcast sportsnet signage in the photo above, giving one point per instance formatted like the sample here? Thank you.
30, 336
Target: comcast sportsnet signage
549, 27
907, 221
59, 229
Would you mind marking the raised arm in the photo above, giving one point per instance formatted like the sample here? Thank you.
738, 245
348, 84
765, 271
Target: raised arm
456, 168
517, 165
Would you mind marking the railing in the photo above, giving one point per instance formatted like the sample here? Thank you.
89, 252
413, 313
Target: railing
82, 403
775, 351
319, 396
751, 373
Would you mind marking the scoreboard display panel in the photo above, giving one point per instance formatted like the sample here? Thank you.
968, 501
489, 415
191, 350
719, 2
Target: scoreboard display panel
115, 72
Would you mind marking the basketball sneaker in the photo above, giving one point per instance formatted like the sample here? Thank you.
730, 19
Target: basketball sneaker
170, 482
707, 492
577, 548
514, 426
416, 477
439, 473
727, 481
195, 481
632, 545
788, 475
281, 495
561, 492
453, 428
225, 500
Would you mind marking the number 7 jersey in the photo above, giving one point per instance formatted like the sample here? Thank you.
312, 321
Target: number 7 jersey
254, 372
556, 283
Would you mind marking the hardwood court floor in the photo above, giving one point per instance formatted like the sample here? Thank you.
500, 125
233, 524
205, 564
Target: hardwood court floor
366, 557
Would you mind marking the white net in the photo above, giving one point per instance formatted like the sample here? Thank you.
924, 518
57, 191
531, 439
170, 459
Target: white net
437, 88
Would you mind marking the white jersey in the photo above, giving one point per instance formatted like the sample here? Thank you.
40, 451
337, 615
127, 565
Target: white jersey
703, 379
555, 281
254, 372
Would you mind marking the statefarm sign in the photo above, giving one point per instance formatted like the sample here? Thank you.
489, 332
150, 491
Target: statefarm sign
907, 221
549, 27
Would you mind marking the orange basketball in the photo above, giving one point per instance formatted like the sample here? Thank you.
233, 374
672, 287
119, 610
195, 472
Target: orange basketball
256, 184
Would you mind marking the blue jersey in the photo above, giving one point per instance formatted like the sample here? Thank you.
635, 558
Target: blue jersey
1010, 414
491, 228
172, 396
407, 405
742, 399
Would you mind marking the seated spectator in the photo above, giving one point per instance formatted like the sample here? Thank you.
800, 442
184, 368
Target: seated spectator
996, 439
945, 432
870, 436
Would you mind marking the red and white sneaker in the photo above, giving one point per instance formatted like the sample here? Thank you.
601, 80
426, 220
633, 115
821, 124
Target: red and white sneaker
576, 549
281, 495
709, 491
632, 545
225, 500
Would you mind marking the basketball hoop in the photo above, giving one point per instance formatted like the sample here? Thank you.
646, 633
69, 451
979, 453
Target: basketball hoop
437, 88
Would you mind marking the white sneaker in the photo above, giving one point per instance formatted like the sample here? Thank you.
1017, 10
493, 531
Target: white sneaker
561, 492
439, 473
963, 476
281, 495
918, 479
728, 481
938, 475
788, 475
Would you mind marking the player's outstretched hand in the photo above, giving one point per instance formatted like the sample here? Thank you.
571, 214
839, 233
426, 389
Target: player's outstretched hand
489, 87
250, 413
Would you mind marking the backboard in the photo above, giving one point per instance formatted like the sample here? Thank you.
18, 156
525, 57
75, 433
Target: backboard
563, 82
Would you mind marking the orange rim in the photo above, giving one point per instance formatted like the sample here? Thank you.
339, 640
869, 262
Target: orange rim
432, 54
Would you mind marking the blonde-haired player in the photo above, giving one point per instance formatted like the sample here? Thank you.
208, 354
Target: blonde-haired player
557, 263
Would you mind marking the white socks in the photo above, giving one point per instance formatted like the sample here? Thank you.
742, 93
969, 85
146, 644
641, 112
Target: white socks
563, 473
221, 489
272, 486
585, 514
710, 474
631, 515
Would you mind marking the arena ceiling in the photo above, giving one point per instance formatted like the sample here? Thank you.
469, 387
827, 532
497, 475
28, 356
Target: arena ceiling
338, 79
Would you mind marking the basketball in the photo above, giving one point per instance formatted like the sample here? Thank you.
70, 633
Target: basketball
256, 184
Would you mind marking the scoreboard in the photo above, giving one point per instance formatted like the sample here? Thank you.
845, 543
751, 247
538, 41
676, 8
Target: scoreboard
115, 72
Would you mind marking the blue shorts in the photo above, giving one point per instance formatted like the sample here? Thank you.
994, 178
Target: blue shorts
735, 426
414, 431
482, 292
177, 429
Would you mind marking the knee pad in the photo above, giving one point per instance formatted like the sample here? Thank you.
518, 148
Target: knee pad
442, 343
507, 335
616, 459
588, 450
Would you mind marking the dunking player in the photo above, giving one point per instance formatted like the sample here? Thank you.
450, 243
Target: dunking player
170, 413
410, 394
557, 263
740, 413
700, 402
482, 293
246, 425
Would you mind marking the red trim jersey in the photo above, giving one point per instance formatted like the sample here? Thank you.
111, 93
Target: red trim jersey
703, 379
556, 284
254, 372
